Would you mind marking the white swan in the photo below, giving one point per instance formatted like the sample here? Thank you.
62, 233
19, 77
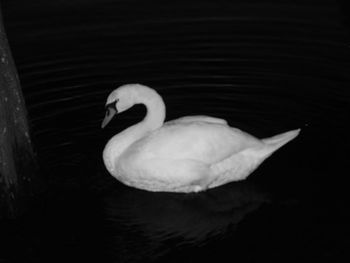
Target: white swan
189, 154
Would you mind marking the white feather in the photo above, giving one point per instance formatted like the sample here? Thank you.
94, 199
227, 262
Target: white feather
189, 154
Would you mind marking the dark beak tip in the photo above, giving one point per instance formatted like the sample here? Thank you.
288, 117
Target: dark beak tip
108, 117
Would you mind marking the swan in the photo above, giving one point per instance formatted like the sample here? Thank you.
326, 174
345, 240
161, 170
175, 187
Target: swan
189, 154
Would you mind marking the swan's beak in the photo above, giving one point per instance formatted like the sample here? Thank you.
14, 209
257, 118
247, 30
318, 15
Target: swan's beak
109, 116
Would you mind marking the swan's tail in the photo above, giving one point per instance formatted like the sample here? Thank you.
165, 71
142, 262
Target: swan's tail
279, 140
239, 166
272, 144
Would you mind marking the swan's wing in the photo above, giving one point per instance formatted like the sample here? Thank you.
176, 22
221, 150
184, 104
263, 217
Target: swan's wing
200, 141
199, 118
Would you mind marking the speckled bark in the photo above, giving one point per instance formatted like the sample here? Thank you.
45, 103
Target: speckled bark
17, 166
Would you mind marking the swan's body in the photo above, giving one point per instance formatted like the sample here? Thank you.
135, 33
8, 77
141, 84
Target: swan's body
189, 154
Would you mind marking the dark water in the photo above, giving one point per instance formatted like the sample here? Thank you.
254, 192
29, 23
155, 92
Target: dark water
265, 66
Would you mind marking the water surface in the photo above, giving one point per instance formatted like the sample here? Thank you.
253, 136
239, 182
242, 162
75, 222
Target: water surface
264, 66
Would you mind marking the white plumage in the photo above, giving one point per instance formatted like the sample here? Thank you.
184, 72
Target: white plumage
189, 154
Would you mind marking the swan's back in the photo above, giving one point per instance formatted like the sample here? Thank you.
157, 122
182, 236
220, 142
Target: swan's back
200, 141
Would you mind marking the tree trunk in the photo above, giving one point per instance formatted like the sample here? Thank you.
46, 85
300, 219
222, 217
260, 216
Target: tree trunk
17, 165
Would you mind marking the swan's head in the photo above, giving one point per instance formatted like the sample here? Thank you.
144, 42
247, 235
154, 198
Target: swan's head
121, 99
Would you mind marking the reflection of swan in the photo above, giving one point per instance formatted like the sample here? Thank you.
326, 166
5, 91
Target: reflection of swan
158, 222
192, 153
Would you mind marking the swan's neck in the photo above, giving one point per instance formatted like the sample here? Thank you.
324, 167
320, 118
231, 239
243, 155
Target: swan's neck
154, 119
155, 115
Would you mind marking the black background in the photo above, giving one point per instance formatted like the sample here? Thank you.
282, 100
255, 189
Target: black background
265, 66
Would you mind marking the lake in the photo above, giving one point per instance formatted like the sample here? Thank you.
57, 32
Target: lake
264, 66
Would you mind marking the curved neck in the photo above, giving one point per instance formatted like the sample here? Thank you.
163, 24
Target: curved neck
154, 119
155, 106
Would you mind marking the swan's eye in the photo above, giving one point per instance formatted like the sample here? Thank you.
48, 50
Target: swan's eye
112, 105
108, 111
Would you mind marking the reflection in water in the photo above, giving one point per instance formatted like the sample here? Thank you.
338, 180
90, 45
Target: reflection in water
147, 225
265, 66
